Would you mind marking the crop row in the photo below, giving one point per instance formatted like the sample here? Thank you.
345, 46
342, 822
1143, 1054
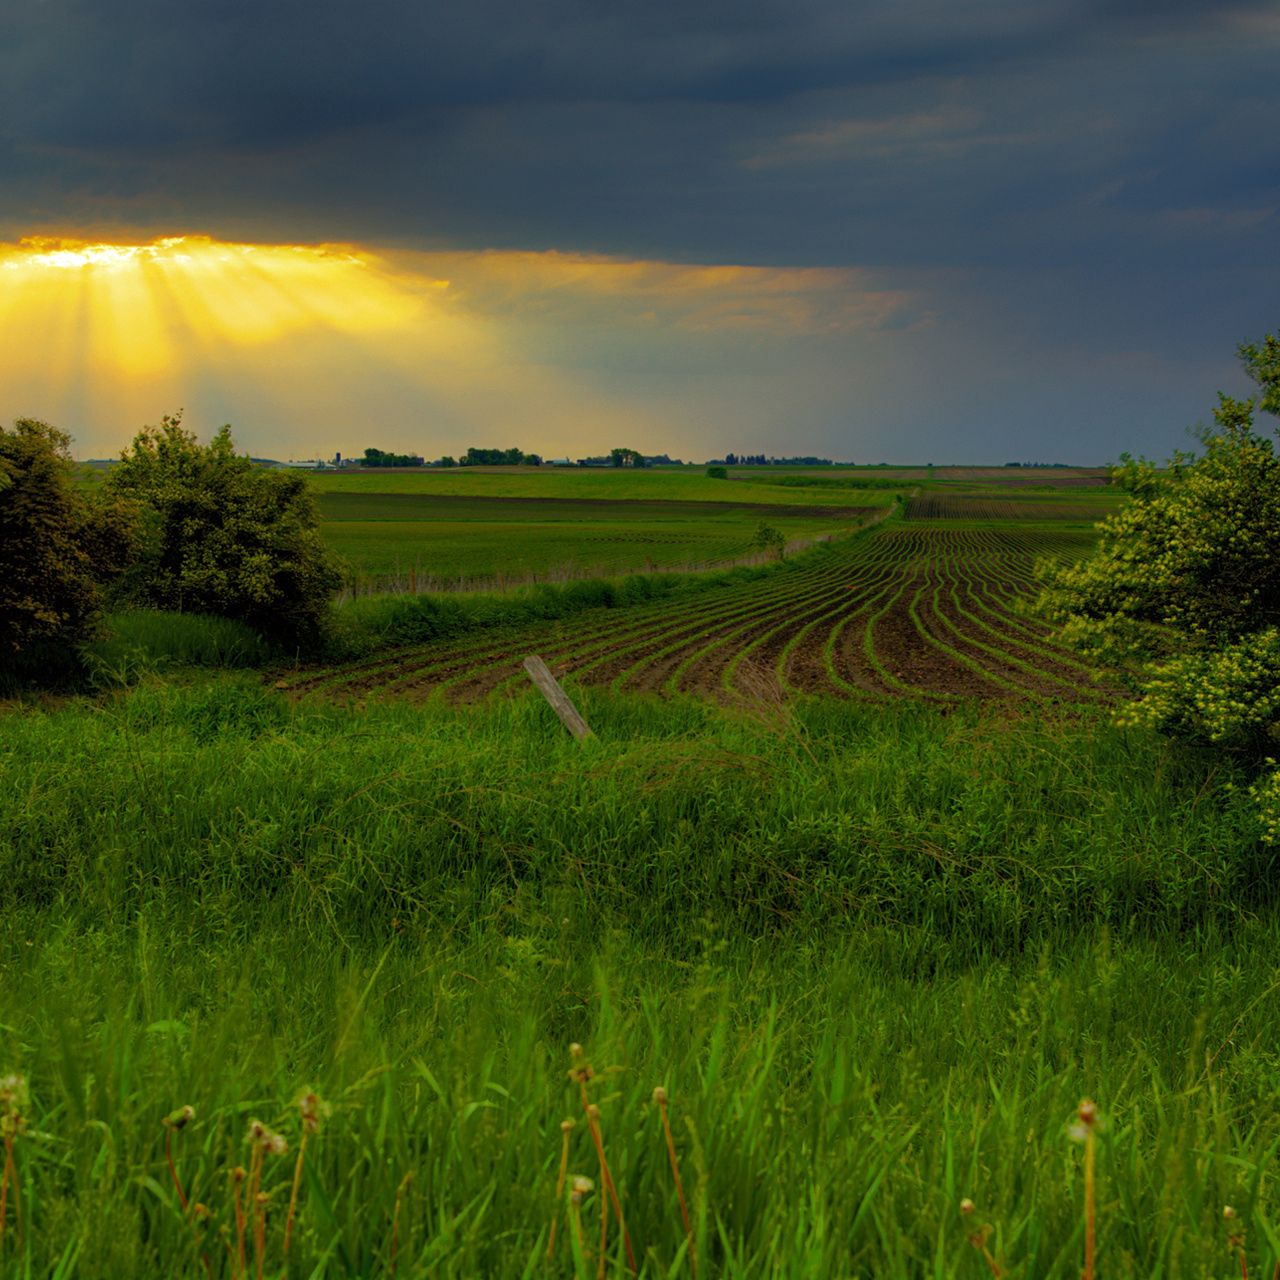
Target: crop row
949, 506
908, 610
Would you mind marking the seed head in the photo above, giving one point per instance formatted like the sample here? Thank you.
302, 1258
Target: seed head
966, 1206
566, 1125
266, 1140
13, 1093
181, 1118
1087, 1121
579, 1187
660, 1096
593, 1111
575, 1050
314, 1110
1228, 1212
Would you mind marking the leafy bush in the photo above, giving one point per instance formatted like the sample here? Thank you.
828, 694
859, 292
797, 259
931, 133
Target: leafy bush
1182, 596
223, 536
769, 539
57, 547
717, 473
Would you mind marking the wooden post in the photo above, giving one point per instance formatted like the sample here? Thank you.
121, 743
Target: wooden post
554, 694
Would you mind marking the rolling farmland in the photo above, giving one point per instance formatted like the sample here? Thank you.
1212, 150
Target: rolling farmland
437, 532
928, 607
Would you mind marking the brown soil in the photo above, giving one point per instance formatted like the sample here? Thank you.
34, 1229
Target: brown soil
930, 651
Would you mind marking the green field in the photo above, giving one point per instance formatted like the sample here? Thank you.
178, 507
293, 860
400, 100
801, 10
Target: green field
856, 866
422, 530
445, 553
930, 603
436, 530
611, 485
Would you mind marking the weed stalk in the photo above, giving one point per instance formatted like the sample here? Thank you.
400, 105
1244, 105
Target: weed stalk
566, 1128
1086, 1131
239, 1263
581, 1074
978, 1239
311, 1110
13, 1097
395, 1223
173, 1121
660, 1097
1235, 1239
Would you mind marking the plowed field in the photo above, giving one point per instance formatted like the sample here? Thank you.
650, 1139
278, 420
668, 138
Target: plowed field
911, 609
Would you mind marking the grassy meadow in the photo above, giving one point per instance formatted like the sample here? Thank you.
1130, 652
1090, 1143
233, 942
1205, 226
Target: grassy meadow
875, 948
874, 955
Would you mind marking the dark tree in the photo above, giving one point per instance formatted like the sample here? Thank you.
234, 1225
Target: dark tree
58, 548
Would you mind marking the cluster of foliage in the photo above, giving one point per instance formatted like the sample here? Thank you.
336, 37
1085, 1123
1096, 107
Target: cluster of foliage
380, 458
499, 458
1182, 596
769, 539
717, 473
59, 548
222, 536
626, 458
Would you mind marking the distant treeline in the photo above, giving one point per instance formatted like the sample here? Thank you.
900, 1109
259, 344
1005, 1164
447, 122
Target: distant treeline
514, 458
472, 458
759, 460
379, 458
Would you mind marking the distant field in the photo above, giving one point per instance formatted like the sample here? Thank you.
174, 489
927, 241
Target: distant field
429, 529
1019, 506
692, 485
446, 553
928, 605
437, 529
909, 610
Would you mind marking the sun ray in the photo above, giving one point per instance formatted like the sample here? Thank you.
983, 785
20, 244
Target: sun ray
313, 341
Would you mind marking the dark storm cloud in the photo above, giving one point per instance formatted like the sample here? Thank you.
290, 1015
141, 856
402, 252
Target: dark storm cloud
723, 131
1099, 175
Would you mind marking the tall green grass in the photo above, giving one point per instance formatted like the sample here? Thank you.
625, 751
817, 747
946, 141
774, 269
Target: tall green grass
875, 955
369, 623
153, 640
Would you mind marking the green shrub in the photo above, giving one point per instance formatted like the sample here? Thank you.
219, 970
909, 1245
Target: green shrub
57, 547
1182, 595
768, 539
223, 536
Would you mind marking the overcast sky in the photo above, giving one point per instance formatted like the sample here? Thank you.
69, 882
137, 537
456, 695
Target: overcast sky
914, 230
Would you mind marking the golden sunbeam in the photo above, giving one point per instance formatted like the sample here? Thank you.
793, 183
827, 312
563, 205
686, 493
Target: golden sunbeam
145, 300
306, 341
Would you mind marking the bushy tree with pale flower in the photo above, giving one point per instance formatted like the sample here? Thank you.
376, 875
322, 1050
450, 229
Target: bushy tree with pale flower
1181, 597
